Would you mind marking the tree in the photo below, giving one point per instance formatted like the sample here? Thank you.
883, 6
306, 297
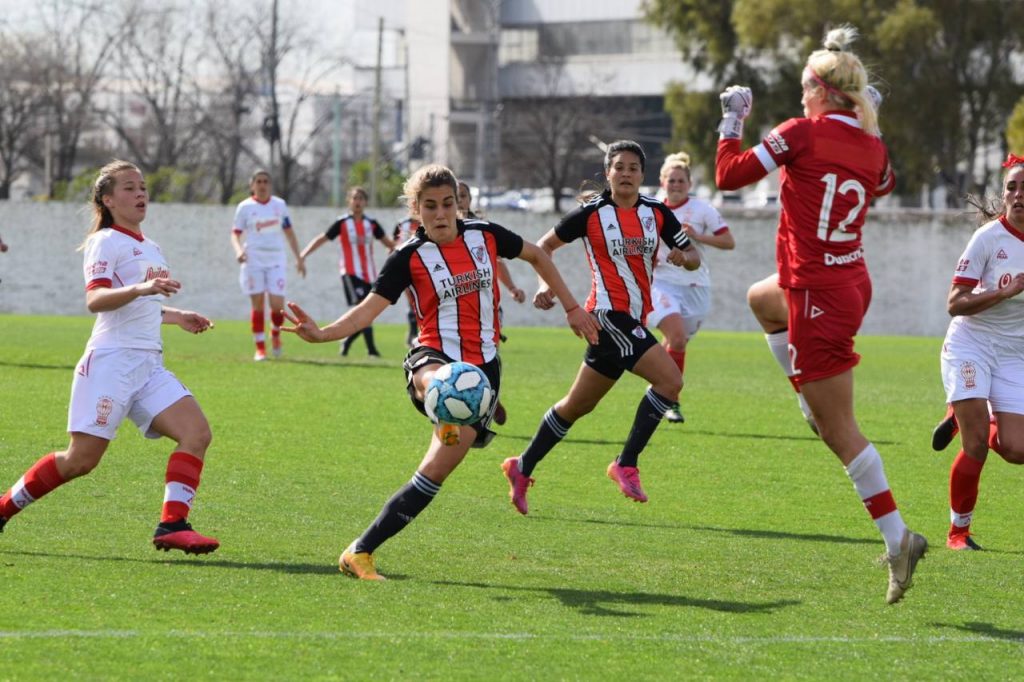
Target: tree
946, 68
21, 107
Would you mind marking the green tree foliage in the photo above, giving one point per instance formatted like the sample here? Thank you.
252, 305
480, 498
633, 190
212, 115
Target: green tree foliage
949, 70
1015, 129
389, 181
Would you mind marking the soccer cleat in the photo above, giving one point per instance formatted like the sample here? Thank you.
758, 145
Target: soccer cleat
448, 434
3, 522
179, 535
260, 355
901, 566
500, 416
673, 415
358, 564
518, 483
961, 541
945, 431
628, 479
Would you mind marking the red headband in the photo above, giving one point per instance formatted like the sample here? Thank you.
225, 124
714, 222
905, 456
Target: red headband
809, 73
1013, 160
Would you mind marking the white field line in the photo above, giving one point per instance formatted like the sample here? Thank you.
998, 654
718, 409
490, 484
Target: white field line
258, 634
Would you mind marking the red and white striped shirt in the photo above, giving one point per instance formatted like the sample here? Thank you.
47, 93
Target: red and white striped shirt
621, 244
355, 237
454, 287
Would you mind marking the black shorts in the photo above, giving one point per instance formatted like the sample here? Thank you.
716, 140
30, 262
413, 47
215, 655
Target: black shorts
621, 343
356, 289
423, 355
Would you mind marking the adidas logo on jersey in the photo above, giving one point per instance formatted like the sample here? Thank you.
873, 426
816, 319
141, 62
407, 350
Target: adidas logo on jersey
438, 266
611, 226
1001, 255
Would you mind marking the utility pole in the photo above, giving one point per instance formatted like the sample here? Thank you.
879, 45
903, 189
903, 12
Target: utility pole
375, 138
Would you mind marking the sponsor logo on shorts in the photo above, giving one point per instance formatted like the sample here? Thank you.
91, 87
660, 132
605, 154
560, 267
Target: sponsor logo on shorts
968, 373
816, 311
104, 406
844, 259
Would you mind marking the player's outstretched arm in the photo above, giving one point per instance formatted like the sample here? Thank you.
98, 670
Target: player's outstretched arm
581, 322
348, 324
190, 321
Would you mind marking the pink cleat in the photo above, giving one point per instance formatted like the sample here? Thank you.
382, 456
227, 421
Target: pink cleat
517, 482
179, 535
628, 479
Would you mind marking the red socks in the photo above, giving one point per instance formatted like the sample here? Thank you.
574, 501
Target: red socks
678, 357
964, 476
40, 479
276, 320
183, 472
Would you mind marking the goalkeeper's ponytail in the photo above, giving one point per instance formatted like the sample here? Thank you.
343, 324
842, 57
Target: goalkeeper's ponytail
840, 73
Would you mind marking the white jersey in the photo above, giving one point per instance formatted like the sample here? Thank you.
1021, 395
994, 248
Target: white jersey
115, 258
263, 224
704, 219
993, 256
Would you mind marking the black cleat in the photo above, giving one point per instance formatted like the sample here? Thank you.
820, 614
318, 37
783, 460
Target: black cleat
3, 522
945, 431
500, 415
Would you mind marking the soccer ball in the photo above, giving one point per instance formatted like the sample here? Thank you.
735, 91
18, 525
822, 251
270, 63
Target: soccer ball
459, 393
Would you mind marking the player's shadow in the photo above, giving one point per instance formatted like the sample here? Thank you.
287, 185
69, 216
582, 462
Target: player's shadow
326, 568
583, 441
341, 363
35, 365
987, 630
608, 603
759, 533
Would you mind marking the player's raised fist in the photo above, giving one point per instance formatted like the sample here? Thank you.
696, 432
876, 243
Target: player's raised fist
736, 101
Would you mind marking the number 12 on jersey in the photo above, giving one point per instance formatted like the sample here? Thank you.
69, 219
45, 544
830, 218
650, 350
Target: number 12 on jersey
839, 233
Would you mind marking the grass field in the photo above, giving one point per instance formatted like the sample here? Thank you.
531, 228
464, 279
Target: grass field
753, 559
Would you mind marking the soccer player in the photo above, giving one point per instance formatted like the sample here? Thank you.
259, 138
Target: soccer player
621, 230
121, 375
450, 266
681, 298
825, 191
983, 352
263, 221
355, 232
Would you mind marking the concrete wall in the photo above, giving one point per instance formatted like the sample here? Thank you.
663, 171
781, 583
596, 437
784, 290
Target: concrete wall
911, 257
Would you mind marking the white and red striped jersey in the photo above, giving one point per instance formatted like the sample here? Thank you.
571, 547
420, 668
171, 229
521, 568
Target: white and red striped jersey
115, 258
454, 287
263, 224
704, 219
355, 237
830, 171
621, 244
994, 254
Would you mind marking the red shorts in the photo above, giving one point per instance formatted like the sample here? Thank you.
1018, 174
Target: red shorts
822, 324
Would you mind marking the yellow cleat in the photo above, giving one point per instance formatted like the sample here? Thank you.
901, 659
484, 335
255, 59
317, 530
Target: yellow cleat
358, 564
448, 434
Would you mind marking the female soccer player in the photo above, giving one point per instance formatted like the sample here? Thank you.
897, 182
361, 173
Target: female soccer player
835, 164
620, 229
983, 353
450, 267
357, 232
682, 299
263, 221
122, 374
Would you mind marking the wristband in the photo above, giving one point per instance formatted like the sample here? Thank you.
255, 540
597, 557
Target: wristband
572, 308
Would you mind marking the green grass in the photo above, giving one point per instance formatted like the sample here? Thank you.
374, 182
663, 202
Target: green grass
754, 557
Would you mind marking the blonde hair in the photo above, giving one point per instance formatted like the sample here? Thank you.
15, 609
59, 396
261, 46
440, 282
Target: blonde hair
680, 160
842, 76
433, 175
104, 186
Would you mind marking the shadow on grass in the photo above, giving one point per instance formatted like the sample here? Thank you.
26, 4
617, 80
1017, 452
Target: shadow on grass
696, 432
986, 629
193, 562
604, 602
759, 533
341, 363
36, 365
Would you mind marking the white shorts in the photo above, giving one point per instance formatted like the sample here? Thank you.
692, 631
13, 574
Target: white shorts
693, 303
111, 384
256, 279
983, 366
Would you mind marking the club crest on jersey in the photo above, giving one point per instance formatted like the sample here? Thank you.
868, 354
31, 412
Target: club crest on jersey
639, 332
479, 253
104, 406
968, 374
648, 222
